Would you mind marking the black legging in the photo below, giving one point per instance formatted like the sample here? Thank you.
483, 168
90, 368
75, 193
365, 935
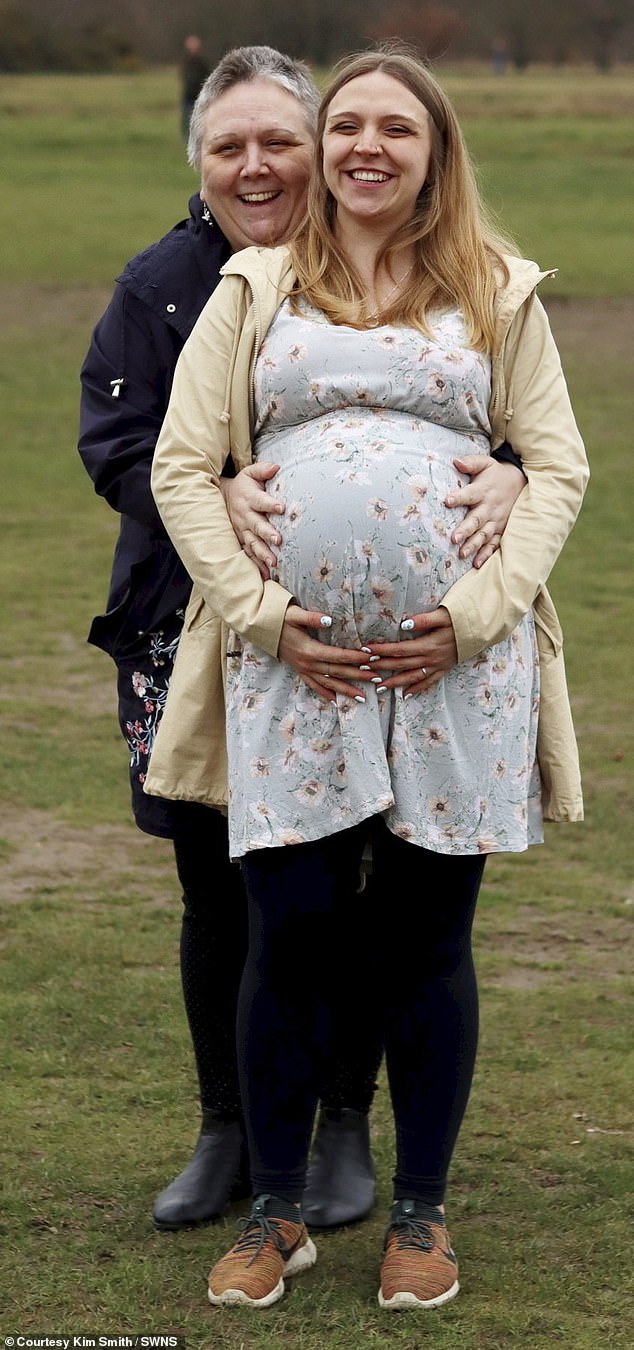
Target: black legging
421, 983
213, 951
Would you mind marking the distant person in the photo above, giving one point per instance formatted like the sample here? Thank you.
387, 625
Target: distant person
431, 713
194, 69
263, 106
498, 57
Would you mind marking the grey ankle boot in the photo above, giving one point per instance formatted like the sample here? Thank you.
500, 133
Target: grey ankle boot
217, 1173
340, 1178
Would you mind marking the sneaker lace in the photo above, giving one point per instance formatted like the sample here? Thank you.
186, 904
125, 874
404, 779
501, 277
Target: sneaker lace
411, 1233
257, 1230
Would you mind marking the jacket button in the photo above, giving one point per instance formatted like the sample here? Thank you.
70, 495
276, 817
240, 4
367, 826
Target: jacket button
171, 309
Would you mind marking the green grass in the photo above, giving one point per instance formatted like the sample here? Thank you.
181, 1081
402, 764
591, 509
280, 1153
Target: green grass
98, 1083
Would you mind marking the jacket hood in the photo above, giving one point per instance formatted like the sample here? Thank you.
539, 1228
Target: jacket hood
256, 265
524, 277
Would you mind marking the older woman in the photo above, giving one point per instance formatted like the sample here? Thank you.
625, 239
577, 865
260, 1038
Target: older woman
396, 329
251, 140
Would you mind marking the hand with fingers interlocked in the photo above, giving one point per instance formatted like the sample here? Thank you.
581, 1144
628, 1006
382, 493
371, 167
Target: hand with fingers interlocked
422, 660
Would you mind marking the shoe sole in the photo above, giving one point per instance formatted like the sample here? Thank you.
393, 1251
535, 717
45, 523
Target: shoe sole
302, 1259
406, 1300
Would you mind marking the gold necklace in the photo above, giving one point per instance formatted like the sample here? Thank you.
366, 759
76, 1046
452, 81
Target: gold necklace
372, 319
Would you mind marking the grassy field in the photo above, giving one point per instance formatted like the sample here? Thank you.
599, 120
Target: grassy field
98, 1083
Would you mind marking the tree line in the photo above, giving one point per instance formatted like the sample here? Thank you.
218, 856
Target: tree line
91, 35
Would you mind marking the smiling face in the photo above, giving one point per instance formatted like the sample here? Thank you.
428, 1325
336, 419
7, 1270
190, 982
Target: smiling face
376, 151
256, 155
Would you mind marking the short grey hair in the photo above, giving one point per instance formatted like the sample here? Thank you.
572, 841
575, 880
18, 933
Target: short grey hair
240, 66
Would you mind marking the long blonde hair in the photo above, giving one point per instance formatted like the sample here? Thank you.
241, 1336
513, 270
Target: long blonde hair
459, 254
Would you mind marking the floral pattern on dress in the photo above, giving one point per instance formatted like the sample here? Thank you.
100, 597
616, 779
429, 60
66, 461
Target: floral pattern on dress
150, 688
365, 427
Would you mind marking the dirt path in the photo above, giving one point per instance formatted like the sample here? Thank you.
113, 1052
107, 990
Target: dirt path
46, 852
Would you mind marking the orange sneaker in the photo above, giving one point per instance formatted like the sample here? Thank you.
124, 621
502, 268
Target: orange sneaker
268, 1248
419, 1268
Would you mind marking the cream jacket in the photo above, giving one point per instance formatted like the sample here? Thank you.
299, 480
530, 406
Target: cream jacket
210, 417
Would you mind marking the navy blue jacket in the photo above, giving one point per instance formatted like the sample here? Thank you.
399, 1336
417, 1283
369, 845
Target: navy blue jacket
126, 382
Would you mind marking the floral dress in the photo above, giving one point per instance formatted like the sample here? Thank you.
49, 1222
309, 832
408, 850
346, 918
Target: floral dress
365, 426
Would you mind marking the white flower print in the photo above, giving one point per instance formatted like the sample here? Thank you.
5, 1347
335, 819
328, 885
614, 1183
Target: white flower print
418, 559
365, 550
251, 703
324, 571
297, 353
288, 726
319, 749
405, 831
290, 837
293, 515
486, 843
418, 488
382, 590
412, 515
290, 759
260, 768
437, 384
252, 658
348, 475
378, 509
310, 792
441, 528
262, 809
484, 695
434, 736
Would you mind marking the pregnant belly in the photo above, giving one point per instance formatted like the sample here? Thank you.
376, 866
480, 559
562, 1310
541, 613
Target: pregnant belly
366, 534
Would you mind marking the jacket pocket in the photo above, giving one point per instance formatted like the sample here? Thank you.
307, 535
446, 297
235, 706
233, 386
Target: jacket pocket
198, 614
546, 620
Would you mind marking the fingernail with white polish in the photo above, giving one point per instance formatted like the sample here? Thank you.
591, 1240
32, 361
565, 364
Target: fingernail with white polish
366, 649
326, 621
408, 624
365, 667
381, 688
375, 658
376, 679
358, 698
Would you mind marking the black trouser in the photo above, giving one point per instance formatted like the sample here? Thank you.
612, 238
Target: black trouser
422, 986
213, 951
